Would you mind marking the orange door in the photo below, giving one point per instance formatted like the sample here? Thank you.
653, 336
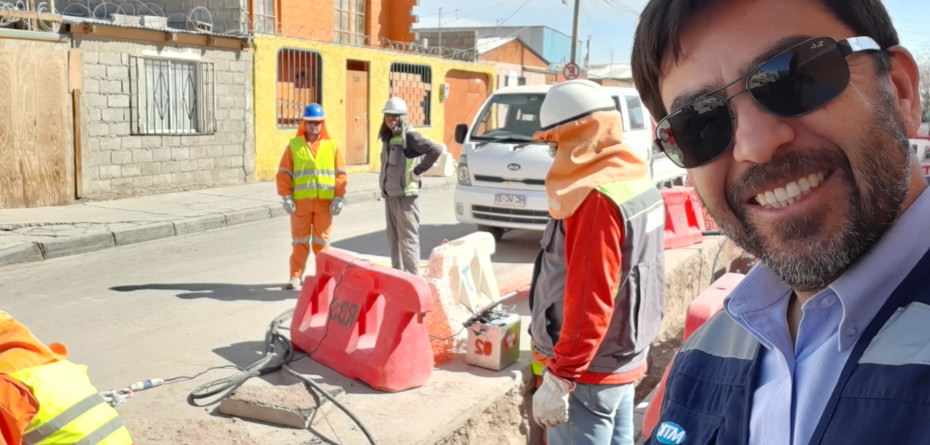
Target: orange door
467, 92
356, 113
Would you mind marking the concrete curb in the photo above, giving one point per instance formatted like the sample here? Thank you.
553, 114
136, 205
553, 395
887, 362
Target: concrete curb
31, 251
73, 245
23, 252
144, 233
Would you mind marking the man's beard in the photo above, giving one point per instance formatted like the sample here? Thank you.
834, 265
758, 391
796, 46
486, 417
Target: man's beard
800, 250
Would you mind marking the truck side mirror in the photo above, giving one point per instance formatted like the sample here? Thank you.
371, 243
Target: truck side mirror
461, 130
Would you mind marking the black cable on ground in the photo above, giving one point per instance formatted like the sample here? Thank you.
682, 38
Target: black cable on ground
279, 353
311, 386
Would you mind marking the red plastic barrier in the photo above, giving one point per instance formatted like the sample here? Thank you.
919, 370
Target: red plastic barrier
708, 303
684, 217
365, 321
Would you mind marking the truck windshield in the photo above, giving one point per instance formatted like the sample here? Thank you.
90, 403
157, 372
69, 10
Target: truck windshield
509, 118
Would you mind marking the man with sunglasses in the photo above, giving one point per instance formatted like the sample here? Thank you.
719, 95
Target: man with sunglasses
311, 181
793, 119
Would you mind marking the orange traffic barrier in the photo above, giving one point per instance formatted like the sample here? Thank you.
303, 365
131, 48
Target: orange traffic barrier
684, 217
365, 321
708, 303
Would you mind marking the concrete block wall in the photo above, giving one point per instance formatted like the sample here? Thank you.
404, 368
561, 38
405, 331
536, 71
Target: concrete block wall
116, 163
464, 40
228, 16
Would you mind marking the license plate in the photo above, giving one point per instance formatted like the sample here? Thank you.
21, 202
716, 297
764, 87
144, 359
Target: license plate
509, 200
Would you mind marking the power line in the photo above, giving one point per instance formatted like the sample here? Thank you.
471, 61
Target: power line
514, 13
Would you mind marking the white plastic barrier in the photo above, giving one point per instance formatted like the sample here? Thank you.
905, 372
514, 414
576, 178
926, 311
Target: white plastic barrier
462, 279
465, 263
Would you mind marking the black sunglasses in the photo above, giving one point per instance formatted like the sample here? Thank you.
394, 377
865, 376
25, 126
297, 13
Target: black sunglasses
797, 80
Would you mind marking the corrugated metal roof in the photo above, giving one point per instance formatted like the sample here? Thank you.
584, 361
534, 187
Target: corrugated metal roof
491, 43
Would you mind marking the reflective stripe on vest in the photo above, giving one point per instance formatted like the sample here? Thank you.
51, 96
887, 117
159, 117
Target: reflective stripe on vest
70, 408
410, 186
314, 176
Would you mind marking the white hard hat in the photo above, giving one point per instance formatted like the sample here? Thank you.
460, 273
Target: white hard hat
395, 105
571, 100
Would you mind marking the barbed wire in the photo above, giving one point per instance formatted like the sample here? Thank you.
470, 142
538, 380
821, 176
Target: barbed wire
201, 19
47, 24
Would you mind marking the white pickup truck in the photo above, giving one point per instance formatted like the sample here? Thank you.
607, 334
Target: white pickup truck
501, 170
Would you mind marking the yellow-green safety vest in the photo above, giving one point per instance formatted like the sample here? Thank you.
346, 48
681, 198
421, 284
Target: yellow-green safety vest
410, 186
313, 176
71, 411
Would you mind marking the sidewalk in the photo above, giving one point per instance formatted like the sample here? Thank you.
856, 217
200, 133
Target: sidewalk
36, 234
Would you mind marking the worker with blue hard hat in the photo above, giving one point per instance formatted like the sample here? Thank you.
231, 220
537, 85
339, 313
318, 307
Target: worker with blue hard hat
311, 181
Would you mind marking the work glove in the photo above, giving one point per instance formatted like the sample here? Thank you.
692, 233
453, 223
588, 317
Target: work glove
550, 402
336, 206
288, 203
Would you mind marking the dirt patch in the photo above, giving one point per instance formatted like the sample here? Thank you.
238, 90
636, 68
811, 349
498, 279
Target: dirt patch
504, 422
188, 432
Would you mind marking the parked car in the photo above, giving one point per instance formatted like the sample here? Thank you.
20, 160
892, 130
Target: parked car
501, 170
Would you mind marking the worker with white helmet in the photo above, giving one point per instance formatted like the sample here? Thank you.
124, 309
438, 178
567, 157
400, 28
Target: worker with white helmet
405, 155
598, 289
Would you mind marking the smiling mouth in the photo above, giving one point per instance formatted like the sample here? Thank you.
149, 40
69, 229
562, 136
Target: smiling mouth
781, 197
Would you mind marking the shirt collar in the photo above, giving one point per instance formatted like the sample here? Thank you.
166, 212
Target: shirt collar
862, 289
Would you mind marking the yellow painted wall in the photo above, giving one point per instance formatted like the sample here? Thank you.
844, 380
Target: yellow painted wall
271, 140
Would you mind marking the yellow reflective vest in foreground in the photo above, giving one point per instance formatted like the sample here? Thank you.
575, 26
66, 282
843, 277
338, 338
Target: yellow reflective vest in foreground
70, 409
314, 176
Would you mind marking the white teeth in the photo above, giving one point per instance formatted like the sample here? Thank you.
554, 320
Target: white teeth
804, 184
782, 197
815, 179
781, 194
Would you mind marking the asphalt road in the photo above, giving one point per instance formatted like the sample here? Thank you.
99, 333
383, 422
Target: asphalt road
176, 306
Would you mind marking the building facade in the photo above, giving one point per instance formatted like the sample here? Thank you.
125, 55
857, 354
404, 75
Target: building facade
160, 118
552, 45
516, 63
350, 58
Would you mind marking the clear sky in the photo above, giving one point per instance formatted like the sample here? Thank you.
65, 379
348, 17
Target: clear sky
610, 23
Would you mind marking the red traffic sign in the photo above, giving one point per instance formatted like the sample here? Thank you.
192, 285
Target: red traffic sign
571, 71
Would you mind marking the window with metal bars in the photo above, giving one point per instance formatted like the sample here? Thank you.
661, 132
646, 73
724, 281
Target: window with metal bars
300, 81
171, 96
349, 22
413, 84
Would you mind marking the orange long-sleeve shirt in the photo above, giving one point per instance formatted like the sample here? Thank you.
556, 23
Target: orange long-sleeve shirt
285, 183
593, 238
19, 349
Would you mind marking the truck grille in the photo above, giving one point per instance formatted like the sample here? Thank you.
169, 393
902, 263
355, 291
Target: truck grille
502, 214
499, 180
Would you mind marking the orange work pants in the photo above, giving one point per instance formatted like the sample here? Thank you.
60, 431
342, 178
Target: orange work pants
310, 225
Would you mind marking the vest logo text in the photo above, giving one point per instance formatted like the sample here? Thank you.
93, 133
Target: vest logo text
670, 433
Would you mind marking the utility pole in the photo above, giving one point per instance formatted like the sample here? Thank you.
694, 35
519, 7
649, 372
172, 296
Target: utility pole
440, 30
587, 56
575, 30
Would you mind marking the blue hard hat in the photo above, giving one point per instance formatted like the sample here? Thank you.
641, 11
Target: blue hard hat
313, 112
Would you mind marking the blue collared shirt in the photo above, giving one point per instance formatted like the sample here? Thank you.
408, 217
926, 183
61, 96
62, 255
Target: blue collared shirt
796, 380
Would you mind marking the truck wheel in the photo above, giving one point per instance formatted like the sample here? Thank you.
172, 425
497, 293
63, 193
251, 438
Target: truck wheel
496, 232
